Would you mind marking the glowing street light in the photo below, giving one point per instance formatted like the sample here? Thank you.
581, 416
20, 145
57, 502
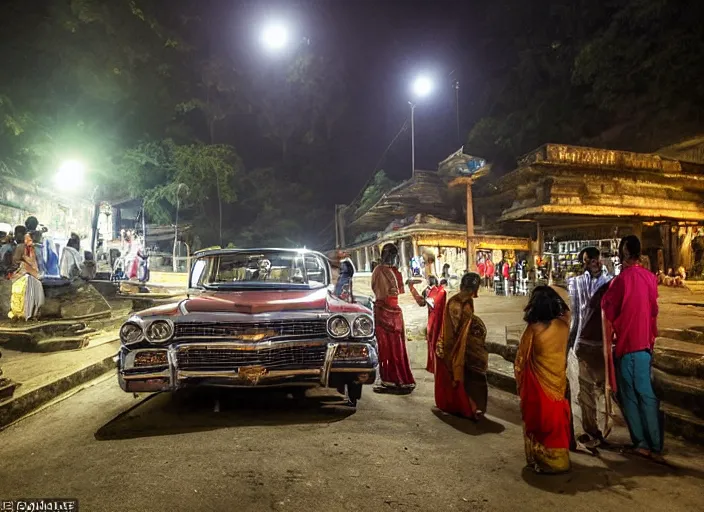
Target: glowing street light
71, 174
422, 86
275, 36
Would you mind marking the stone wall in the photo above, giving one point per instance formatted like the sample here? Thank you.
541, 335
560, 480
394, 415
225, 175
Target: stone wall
62, 214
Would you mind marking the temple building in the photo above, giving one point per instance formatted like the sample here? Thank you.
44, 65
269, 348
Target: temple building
424, 215
558, 200
569, 197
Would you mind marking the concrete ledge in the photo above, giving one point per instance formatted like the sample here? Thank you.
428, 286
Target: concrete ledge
19, 406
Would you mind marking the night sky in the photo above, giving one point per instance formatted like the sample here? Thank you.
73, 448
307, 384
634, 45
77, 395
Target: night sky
384, 44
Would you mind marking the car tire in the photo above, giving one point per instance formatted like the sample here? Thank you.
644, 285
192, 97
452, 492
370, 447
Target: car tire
354, 392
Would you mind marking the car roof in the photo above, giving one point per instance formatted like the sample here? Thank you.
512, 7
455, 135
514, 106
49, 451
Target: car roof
216, 251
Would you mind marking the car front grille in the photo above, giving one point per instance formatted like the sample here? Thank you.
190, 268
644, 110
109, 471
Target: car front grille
222, 359
265, 330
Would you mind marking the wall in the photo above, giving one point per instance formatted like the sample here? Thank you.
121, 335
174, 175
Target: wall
61, 214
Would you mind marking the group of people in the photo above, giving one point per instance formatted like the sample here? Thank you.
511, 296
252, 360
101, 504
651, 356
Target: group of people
457, 354
27, 258
609, 331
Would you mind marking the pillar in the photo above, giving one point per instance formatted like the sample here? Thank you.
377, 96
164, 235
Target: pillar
367, 263
416, 252
358, 258
674, 247
638, 230
471, 256
404, 258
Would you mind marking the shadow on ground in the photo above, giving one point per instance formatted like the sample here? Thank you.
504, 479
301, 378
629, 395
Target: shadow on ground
618, 476
466, 426
200, 410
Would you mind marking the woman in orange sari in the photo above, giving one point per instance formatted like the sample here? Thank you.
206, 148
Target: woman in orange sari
462, 358
541, 378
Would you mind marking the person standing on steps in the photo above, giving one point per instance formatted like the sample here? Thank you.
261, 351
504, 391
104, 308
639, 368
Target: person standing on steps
631, 309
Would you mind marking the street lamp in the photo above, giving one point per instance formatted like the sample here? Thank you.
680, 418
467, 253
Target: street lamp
275, 37
422, 86
70, 175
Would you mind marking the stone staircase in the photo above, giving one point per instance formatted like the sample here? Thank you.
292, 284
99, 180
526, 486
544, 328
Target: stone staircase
678, 378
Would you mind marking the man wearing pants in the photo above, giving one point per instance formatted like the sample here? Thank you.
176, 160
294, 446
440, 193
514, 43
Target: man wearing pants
631, 306
586, 345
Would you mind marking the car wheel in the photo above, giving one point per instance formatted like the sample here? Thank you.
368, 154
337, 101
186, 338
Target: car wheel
354, 392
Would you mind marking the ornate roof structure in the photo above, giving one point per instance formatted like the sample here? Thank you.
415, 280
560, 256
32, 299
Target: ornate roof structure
557, 180
425, 193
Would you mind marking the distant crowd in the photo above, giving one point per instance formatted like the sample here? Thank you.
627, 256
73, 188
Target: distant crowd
29, 257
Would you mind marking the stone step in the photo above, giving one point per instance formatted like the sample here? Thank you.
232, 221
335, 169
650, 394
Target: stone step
683, 423
686, 393
679, 357
694, 286
691, 335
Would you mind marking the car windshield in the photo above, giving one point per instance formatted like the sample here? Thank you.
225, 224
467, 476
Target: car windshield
260, 269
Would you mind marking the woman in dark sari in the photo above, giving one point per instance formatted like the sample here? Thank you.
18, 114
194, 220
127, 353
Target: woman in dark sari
460, 372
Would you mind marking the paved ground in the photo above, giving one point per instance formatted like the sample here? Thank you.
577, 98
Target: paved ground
268, 452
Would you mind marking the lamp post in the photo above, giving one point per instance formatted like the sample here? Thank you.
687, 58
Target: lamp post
178, 204
422, 87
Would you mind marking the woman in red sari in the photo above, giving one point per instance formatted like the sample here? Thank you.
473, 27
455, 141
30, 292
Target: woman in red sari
541, 378
434, 298
394, 366
460, 373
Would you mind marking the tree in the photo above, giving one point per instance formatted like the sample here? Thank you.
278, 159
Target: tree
379, 185
154, 170
624, 73
644, 72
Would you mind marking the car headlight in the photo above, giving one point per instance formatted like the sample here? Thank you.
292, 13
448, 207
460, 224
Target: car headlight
159, 331
131, 333
362, 327
338, 327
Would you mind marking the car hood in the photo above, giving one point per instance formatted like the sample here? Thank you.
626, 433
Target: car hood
266, 301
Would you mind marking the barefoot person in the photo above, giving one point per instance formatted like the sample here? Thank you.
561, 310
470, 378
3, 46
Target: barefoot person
433, 297
631, 308
394, 367
541, 379
460, 370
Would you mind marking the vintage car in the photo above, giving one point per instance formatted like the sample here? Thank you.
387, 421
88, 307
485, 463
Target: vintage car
253, 317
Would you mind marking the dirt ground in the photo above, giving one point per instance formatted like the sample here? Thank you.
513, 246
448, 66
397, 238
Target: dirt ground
266, 451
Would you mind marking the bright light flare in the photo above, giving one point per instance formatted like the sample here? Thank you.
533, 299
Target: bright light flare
275, 36
422, 86
70, 175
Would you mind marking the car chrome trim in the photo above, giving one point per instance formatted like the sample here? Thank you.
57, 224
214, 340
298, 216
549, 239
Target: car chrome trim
145, 376
327, 365
233, 374
149, 322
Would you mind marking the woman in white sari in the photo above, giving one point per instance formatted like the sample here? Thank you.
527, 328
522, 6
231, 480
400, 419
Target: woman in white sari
71, 258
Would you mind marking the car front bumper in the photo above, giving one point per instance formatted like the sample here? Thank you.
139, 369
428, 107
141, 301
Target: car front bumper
167, 371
